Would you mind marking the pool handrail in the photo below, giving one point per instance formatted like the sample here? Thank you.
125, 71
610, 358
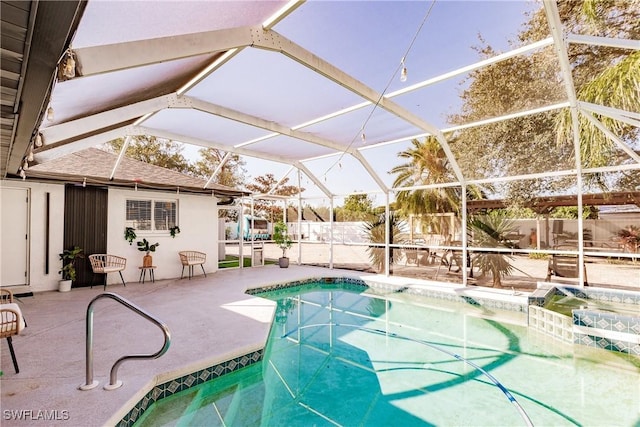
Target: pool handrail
113, 379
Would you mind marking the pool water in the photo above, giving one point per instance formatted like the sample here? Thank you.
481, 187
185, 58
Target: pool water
354, 358
564, 304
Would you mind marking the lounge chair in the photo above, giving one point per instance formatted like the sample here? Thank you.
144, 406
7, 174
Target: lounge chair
11, 323
565, 266
105, 264
191, 258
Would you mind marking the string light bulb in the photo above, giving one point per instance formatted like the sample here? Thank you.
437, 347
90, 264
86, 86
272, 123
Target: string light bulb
38, 140
23, 175
50, 114
25, 164
69, 65
403, 73
30, 155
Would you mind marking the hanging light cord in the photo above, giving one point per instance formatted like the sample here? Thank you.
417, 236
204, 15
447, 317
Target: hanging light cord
377, 103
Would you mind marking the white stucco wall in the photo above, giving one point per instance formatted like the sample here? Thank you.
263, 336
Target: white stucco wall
198, 222
197, 218
36, 276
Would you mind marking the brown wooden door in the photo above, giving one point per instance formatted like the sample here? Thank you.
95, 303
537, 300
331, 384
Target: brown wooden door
85, 225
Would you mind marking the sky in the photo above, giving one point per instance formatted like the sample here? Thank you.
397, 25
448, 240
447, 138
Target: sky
438, 39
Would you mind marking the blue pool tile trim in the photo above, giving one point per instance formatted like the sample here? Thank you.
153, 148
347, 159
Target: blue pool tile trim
383, 288
604, 330
603, 295
187, 381
620, 346
607, 321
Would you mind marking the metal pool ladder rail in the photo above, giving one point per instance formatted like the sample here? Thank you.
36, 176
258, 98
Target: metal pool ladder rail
113, 382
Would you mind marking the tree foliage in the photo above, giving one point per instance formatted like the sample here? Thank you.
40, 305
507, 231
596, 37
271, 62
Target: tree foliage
232, 174
490, 231
272, 210
425, 163
357, 207
376, 231
544, 141
156, 151
168, 154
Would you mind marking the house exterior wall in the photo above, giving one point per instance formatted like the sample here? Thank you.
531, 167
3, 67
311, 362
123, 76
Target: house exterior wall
37, 277
197, 219
198, 222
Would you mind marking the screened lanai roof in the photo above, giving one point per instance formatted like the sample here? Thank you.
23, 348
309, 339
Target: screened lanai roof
312, 86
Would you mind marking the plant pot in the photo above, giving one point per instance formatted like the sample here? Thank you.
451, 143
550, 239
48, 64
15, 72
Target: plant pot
283, 262
147, 261
64, 285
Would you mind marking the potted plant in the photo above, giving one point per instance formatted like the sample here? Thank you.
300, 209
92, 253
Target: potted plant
174, 230
130, 234
630, 238
68, 258
282, 240
145, 246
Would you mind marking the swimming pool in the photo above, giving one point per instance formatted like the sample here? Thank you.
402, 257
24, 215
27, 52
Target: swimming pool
352, 357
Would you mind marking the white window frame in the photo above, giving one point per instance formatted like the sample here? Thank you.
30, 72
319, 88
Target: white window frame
152, 220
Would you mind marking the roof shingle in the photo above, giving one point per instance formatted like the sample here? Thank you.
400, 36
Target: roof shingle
94, 166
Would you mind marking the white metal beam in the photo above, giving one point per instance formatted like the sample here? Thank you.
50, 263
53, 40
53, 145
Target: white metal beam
282, 130
127, 141
102, 120
241, 117
226, 157
53, 151
480, 64
204, 73
143, 130
507, 117
118, 56
314, 179
613, 137
371, 171
555, 25
604, 41
275, 187
270, 40
627, 117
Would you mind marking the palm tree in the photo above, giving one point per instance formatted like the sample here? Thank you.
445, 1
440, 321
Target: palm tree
375, 231
426, 163
596, 149
604, 76
489, 231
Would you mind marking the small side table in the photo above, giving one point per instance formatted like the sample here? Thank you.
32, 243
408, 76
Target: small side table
143, 273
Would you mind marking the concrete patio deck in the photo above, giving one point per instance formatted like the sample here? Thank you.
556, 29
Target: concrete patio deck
211, 320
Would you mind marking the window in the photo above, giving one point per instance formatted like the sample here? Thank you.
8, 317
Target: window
152, 215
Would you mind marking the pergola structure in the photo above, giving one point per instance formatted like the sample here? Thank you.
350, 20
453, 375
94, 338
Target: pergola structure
331, 90
543, 205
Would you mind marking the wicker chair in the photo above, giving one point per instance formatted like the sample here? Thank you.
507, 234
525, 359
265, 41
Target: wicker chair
105, 264
6, 296
11, 322
191, 258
